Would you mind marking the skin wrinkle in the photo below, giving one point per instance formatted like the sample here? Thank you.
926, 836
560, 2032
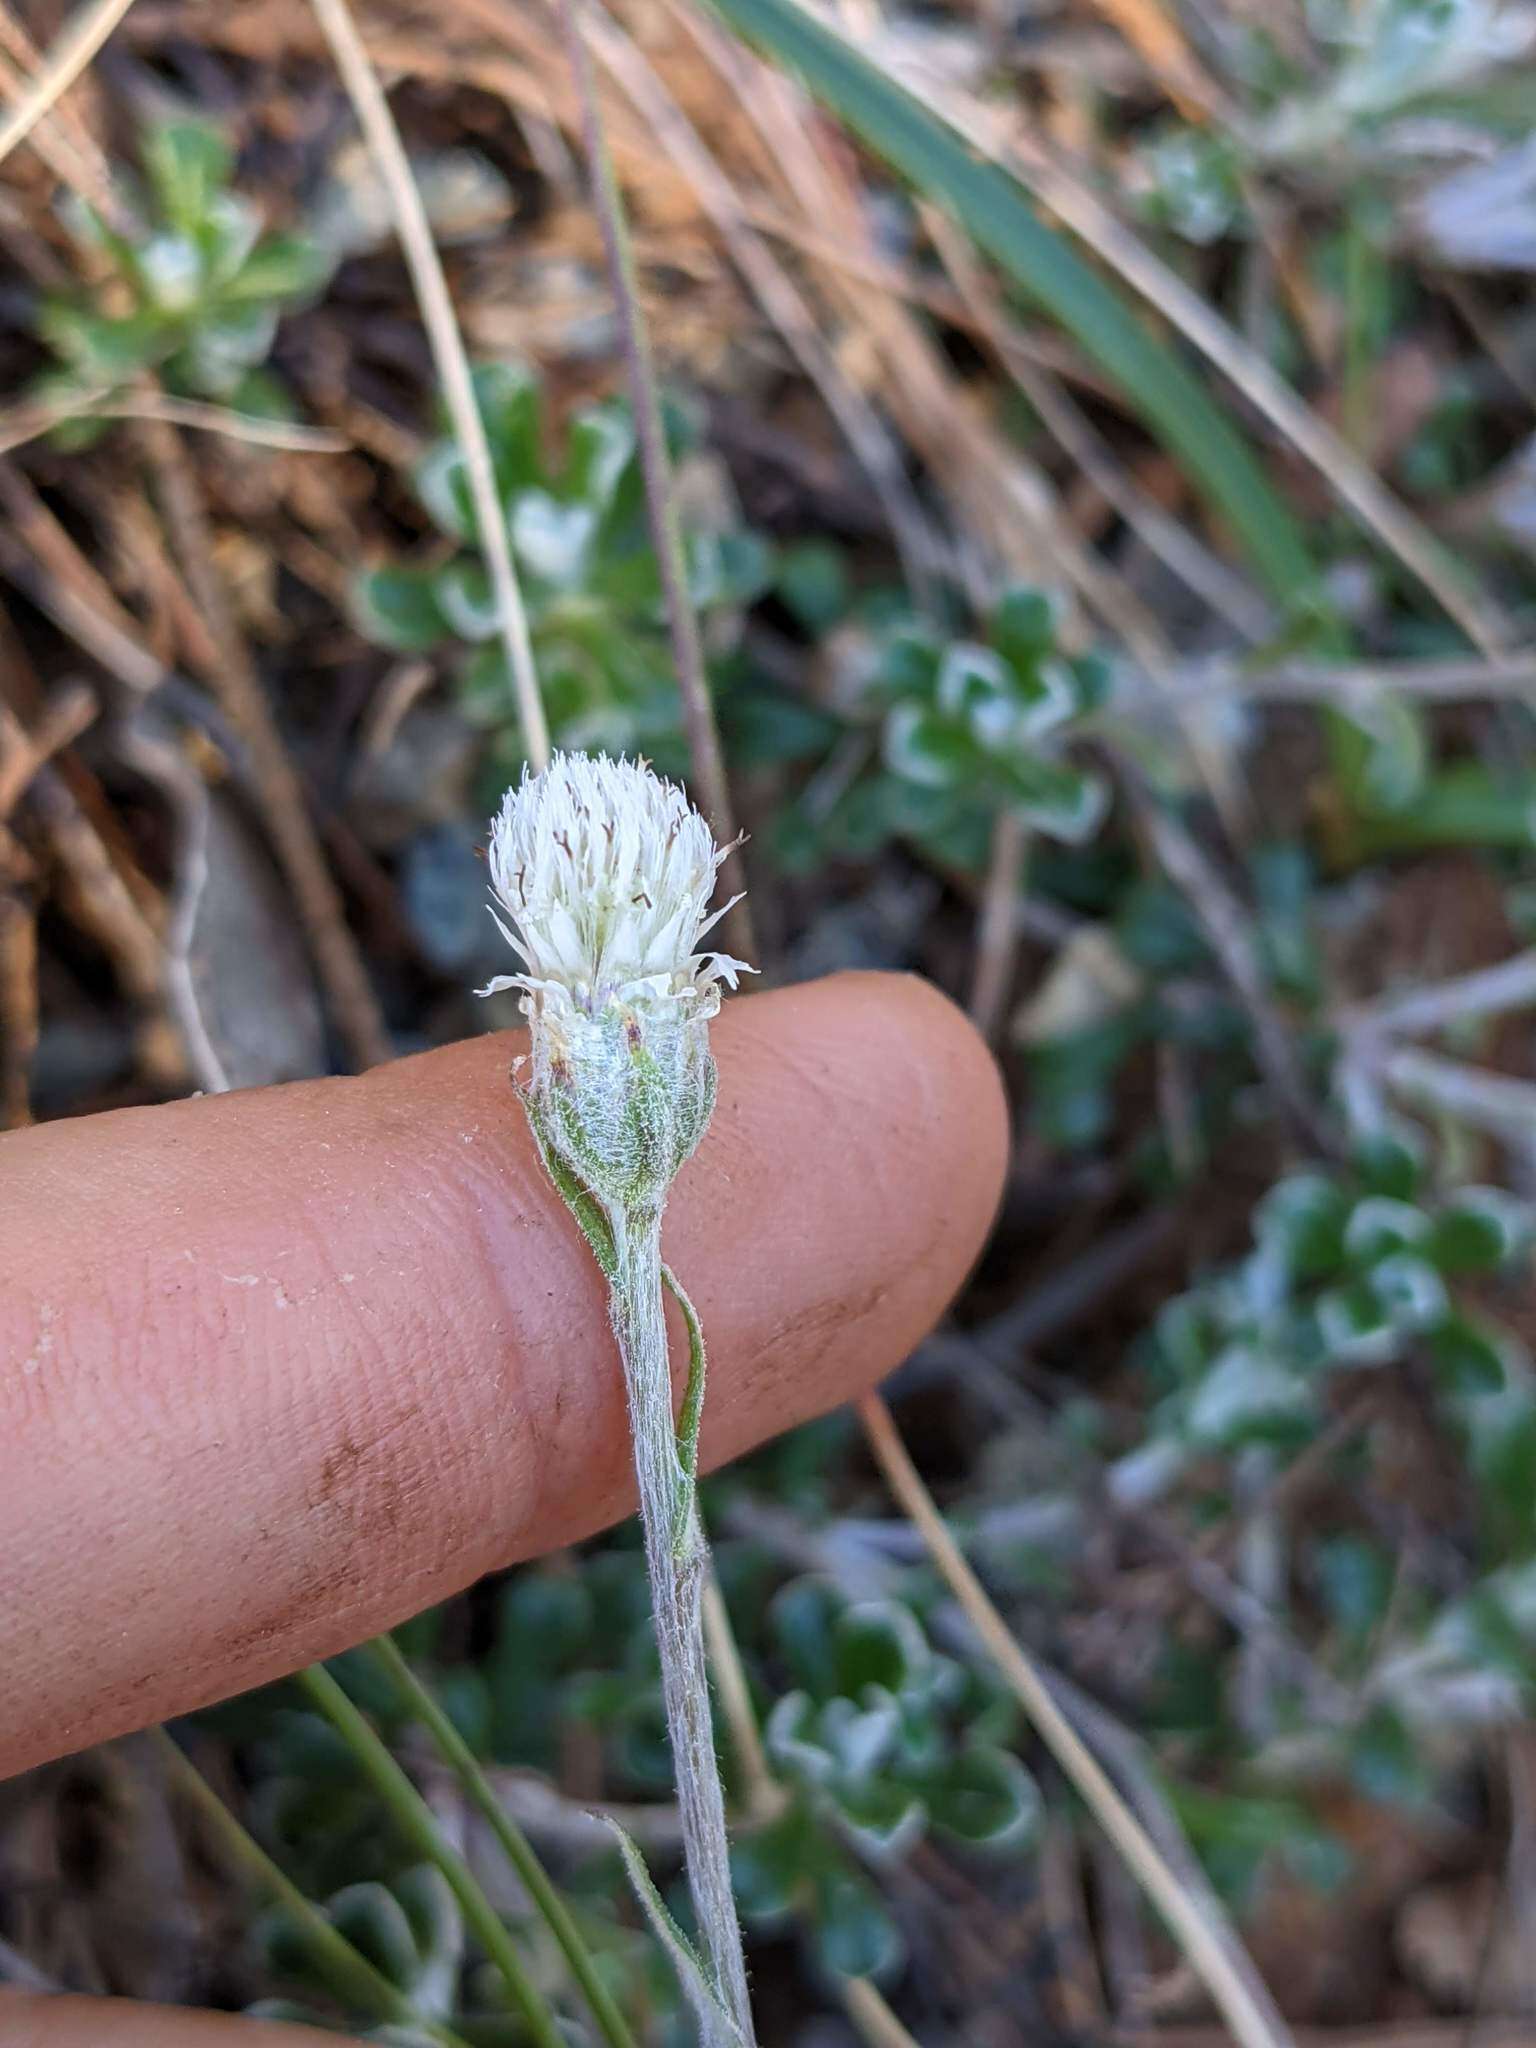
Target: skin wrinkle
207, 1488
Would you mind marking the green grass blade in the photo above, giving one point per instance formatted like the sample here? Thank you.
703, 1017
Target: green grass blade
995, 211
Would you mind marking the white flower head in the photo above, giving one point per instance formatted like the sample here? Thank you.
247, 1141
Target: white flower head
605, 872
602, 873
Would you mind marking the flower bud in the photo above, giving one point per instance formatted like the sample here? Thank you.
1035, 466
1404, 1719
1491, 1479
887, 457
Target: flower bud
604, 872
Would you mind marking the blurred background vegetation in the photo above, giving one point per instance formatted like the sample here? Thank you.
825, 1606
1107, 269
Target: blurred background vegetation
1107, 470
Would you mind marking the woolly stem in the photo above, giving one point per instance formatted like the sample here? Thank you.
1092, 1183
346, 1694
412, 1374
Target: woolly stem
677, 1560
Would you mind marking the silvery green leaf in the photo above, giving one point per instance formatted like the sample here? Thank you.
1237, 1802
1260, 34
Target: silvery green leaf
442, 484
1047, 699
376, 1924
1064, 803
1410, 1290
228, 234
551, 538
398, 608
880, 1643
922, 747
987, 1798
970, 678
1396, 760
601, 446
1025, 625
1356, 1326
791, 1735
1304, 1215
885, 1818
1244, 1388
464, 597
1470, 1357
715, 2022
860, 1737
1480, 1228
1380, 1224
221, 349
171, 270
188, 163
1148, 1473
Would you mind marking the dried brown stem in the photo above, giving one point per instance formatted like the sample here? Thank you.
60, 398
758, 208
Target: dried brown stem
238, 687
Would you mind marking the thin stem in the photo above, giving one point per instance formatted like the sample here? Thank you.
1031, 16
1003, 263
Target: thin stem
519, 1851
350, 1974
763, 1796
656, 470
447, 345
677, 1560
1210, 1949
419, 1824
997, 934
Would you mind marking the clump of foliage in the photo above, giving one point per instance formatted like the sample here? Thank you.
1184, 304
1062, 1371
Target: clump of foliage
1358, 1311
576, 519
954, 729
190, 287
1350, 1271
881, 1741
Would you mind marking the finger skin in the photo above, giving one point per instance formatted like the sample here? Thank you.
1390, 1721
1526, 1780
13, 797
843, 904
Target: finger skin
284, 1367
28, 2022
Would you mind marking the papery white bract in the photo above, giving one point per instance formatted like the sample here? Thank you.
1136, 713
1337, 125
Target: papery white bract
602, 874
605, 872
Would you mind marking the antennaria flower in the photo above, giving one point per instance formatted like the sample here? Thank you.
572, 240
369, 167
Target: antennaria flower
602, 874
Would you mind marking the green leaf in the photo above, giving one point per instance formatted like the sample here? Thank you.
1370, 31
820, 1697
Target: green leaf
279, 268
887, 1817
463, 594
803, 1618
1388, 768
188, 163
1467, 1355
102, 349
928, 749
934, 158
1379, 1225
399, 609
692, 1412
222, 347
879, 1643
855, 1935
374, 1921
693, 1973
814, 583
987, 1798
1389, 1159
771, 1866
1478, 1230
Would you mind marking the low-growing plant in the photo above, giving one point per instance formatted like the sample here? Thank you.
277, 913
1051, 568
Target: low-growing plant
576, 519
943, 731
881, 1741
189, 286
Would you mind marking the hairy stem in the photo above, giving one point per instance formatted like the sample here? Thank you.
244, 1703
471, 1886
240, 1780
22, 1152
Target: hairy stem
677, 1560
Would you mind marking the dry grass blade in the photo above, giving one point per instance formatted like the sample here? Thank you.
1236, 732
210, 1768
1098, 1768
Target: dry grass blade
24, 423
1352, 482
447, 344
232, 674
704, 750
873, 446
1211, 1950
75, 48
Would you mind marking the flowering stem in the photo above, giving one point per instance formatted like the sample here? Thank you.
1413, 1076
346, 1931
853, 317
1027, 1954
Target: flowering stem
677, 1560
419, 1826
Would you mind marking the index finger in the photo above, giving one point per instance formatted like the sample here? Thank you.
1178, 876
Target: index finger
288, 1366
